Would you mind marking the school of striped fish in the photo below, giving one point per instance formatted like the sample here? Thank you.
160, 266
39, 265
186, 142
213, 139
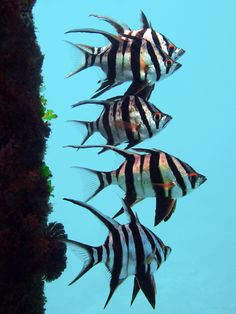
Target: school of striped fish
143, 57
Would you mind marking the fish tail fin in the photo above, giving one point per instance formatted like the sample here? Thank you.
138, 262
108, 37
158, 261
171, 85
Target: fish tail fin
90, 128
89, 255
94, 181
88, 57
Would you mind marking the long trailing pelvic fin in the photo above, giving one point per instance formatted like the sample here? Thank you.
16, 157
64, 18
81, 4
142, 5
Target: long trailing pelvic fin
93, 102
111, 37
122, 152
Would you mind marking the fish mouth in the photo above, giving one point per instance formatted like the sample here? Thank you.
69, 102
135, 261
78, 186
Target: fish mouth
178, 65
167, 119
181, 52
202, 179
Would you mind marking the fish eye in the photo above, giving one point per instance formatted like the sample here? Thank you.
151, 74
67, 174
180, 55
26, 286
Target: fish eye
157, 116
169, 63
171, 48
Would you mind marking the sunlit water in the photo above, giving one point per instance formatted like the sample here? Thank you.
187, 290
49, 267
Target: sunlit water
200, 273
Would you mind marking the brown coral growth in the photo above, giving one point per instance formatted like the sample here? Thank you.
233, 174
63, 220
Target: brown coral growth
29, 250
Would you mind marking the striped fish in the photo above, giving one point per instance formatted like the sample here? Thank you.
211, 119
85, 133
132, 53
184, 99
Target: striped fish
128, 119
148, 33
153, 174
129, 250
134, 59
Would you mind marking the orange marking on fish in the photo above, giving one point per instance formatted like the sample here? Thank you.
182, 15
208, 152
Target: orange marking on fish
143, 66
127, 125
192, 174
166, 185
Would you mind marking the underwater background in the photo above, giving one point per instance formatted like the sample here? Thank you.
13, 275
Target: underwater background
199, 275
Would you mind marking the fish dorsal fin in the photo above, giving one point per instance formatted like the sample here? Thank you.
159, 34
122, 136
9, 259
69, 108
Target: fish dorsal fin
104, 103
136, 289
123, 152
129, 212
108, 222
111, 37
145, 23
147, 150
120, 28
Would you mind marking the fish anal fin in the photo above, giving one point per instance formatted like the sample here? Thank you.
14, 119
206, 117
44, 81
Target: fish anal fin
111, 37
147, 284
164, 207
171, 212
105, 86
114, 283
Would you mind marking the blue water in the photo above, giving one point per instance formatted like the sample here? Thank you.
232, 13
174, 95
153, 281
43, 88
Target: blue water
200, 273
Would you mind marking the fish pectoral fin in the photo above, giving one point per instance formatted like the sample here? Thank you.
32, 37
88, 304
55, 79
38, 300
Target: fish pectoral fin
151, 256
147, 284
136, 289
164, 206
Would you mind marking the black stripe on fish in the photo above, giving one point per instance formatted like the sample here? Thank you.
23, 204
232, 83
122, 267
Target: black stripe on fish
143, 115
153, 245
99, 253
154, 60
106, 125
117, 264
111, 58
135, 58
124, 230
140, 266
155, 174
188, 170
177, 174
131, 194
108, 177
157, 44
126, 118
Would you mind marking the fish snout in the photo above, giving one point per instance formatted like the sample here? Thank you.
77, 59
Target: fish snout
167, 251
181, 52
202, 179
178, 65
166, 119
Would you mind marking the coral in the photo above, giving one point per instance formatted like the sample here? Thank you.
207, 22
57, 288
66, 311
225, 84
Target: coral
29, 251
